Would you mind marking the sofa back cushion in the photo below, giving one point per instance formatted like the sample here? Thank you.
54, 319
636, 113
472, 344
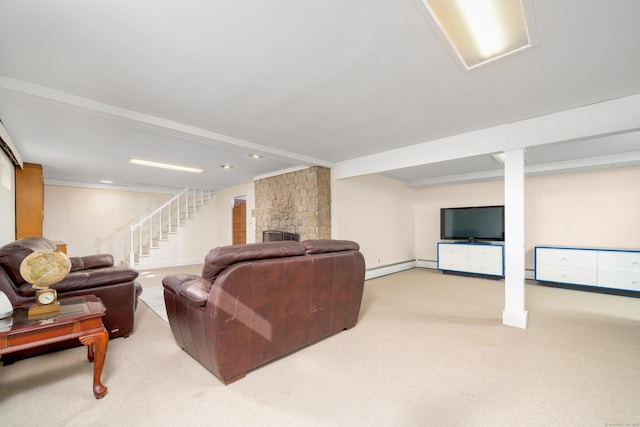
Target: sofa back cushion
322, 246
89, 262
12, 254
222, 257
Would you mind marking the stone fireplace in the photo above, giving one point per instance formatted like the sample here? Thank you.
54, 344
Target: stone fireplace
296, 202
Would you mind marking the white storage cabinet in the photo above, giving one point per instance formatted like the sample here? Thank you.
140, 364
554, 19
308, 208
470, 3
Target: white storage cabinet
477, 258
598, 267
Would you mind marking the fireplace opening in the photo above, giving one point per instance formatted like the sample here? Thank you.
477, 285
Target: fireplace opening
276, 236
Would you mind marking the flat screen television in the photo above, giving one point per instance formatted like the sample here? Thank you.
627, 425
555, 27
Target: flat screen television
477, 223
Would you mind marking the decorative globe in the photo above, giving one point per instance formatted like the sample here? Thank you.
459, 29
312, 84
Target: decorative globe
45, 267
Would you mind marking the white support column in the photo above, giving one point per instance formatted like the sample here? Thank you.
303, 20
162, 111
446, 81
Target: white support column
514, 313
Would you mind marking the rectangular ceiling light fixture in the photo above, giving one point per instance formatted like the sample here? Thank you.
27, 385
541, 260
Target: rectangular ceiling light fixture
165, 166
481, 31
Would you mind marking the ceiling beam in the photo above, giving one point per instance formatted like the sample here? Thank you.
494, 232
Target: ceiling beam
627, 159
150, 122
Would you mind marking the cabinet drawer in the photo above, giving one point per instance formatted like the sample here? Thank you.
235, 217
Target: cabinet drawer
567, 257
485, 266
452, 263
454, 250
619, 279
485, 252
619, 260
567, 274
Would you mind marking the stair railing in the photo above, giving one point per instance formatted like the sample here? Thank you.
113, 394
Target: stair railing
145, 228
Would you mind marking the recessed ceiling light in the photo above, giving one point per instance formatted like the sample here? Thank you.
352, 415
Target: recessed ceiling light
165, 166
255, 156
106, 181
226, 166
480, 31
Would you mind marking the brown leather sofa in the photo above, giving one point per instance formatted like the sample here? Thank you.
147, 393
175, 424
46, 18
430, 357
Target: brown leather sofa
93, 274
257, 302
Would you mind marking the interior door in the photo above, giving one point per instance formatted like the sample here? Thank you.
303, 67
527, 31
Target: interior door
239, 215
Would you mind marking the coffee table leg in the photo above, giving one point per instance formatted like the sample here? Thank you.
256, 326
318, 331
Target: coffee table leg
96, 351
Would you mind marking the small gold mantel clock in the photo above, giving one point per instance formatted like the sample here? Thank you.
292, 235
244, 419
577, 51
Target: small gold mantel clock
42, 269
46, 302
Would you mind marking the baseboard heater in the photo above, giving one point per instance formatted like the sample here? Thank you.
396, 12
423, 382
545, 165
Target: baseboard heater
372, 273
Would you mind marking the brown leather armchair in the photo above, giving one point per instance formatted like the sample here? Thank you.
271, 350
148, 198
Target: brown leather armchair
93, 274
257, 302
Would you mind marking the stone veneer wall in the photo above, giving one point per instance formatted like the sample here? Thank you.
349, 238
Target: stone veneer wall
295, 202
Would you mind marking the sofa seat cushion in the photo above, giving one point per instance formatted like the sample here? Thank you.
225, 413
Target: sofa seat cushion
321, 246
86, 279
222, 257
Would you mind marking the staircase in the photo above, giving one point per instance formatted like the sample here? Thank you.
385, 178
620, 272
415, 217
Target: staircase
148, 233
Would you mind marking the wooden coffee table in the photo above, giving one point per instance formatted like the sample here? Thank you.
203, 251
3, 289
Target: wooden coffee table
79, 317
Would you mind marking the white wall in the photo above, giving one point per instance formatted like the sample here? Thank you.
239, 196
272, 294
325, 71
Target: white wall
7, 200
391, 222
429, 201
224, 203
378, 213
597, 208
93, 220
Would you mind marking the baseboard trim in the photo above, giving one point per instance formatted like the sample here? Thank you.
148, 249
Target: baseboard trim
529, 274
168, 264
427, 263
372, 273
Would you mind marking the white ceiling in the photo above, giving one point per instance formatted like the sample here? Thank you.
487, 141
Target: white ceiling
85, 86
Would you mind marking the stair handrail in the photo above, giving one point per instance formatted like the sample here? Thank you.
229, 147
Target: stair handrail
149, 217
138, 225
143, 220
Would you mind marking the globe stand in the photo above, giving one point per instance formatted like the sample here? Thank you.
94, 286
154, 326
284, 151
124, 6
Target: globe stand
46, 303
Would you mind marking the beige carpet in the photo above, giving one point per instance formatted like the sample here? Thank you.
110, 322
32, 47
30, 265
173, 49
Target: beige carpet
429, 350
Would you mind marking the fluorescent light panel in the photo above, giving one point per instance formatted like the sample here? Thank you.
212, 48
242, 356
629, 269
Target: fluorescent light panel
480, 31
165, 166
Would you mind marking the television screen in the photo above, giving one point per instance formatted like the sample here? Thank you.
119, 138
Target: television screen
472, 223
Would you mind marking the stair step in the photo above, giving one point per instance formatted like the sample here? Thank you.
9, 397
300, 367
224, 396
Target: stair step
174, 214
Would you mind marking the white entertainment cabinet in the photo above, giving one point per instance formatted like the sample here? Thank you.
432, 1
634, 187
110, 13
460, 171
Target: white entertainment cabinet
596, 267
481, 258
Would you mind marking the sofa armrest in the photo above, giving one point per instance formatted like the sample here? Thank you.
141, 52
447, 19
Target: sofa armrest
194, 288
91, 262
